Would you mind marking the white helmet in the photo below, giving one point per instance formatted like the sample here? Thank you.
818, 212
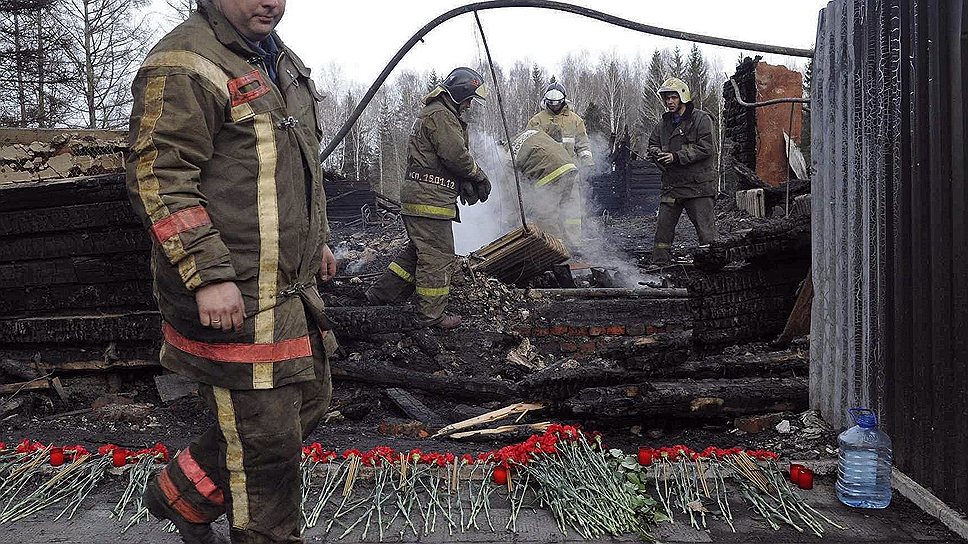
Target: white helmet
554, 97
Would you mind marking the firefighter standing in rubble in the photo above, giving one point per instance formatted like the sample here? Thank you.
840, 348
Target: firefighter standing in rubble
557, 116
224, 170
553, 197
682, 145
440, 169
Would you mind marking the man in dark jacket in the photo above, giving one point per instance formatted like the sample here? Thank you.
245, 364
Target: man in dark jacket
682, 144
224, 171
439, 169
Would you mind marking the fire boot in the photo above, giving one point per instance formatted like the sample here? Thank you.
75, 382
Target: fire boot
191, 533
448, 322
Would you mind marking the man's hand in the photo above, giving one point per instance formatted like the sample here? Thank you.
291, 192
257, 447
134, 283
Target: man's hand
327, 269
220, 306
665, 158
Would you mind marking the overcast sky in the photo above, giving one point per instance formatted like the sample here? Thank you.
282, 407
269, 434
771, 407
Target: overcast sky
362, 35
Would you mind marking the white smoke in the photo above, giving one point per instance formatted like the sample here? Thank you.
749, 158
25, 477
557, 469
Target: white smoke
484, 222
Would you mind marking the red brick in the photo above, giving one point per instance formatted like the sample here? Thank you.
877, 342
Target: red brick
539, 331
615, 330
596, 331
559, 330
577, 331
568, 347
757, 424
525, 331
635, 330
588, 347
649, 329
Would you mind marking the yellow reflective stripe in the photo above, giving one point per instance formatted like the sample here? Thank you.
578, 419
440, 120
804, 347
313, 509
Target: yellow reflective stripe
148, 184
233, 457
398, 270
660, 245
436, 211
556, 174
573, 221
433, 291
205, 68
268, 244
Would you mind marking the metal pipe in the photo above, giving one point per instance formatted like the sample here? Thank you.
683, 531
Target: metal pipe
545, 4
741, 102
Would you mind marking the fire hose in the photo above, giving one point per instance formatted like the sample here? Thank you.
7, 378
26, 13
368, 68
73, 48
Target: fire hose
544, 4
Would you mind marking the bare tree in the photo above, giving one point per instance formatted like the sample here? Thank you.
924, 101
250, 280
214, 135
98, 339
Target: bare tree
179, 10
109, 39
32, 63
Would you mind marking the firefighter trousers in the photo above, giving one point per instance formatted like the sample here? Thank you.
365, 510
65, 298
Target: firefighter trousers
557, 208
247, 464
701, 212
423, 268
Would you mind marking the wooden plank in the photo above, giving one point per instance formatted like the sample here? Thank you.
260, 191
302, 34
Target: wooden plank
45, 299
34, 385
137, 326
77, 270
444, 386
504, 429
799, 322
490, 417
71, 244
607, 292
68, 218
62, 192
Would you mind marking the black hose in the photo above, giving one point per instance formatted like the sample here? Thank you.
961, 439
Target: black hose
544, 4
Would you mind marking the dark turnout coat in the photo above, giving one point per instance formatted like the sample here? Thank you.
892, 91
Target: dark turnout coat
693, 172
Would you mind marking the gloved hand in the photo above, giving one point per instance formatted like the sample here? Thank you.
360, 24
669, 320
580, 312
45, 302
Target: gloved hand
483, 188
468, 192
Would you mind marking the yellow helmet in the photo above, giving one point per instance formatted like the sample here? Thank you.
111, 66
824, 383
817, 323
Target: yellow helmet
675, 85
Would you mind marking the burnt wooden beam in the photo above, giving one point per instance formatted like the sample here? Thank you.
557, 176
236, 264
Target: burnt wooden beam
692, 398
442, 386
361, 322
414, 409
607, 293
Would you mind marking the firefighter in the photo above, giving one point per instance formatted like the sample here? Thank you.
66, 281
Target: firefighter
557, 113
682, 145
224, 170
440, 169
553, 197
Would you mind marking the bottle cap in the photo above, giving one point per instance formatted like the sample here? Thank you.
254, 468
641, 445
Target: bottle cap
863, 417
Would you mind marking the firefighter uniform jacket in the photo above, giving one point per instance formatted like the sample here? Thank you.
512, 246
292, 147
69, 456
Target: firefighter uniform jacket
438, 160
539, 157
573, 134
224, 170
693, 172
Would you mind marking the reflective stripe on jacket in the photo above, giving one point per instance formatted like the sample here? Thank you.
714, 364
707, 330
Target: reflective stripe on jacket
224, 170
541, 158
574, 136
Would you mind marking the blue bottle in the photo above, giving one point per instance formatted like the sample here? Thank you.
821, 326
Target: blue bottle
864, 468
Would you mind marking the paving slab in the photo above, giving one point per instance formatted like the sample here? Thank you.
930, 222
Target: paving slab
901, 523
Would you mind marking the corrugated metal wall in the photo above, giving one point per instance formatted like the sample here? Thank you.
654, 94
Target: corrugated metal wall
890, 317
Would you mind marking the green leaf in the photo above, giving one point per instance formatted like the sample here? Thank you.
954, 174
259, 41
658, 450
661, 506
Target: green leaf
659, 517
616, 453
634, 478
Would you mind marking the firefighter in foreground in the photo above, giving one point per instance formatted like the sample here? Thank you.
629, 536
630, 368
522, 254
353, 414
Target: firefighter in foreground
557, 115
553, 198
440, 169
682, 145
224, 170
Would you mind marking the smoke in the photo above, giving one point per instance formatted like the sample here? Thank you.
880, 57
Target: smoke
484, 222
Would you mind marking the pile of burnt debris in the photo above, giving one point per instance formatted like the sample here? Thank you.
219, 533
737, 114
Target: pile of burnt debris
583, 341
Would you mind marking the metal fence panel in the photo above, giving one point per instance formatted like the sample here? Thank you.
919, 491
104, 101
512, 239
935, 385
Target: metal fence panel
890, 255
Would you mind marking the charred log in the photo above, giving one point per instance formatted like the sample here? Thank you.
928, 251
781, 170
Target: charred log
693, 399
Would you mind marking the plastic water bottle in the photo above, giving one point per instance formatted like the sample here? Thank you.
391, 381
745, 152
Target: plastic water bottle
864, 468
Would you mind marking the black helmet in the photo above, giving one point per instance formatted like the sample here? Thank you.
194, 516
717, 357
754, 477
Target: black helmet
464, 83
554, 96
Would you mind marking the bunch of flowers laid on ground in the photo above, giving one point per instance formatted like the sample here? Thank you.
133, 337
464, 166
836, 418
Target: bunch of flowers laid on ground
590, 490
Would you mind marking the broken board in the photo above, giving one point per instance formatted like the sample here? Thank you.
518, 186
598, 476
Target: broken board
519, 255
